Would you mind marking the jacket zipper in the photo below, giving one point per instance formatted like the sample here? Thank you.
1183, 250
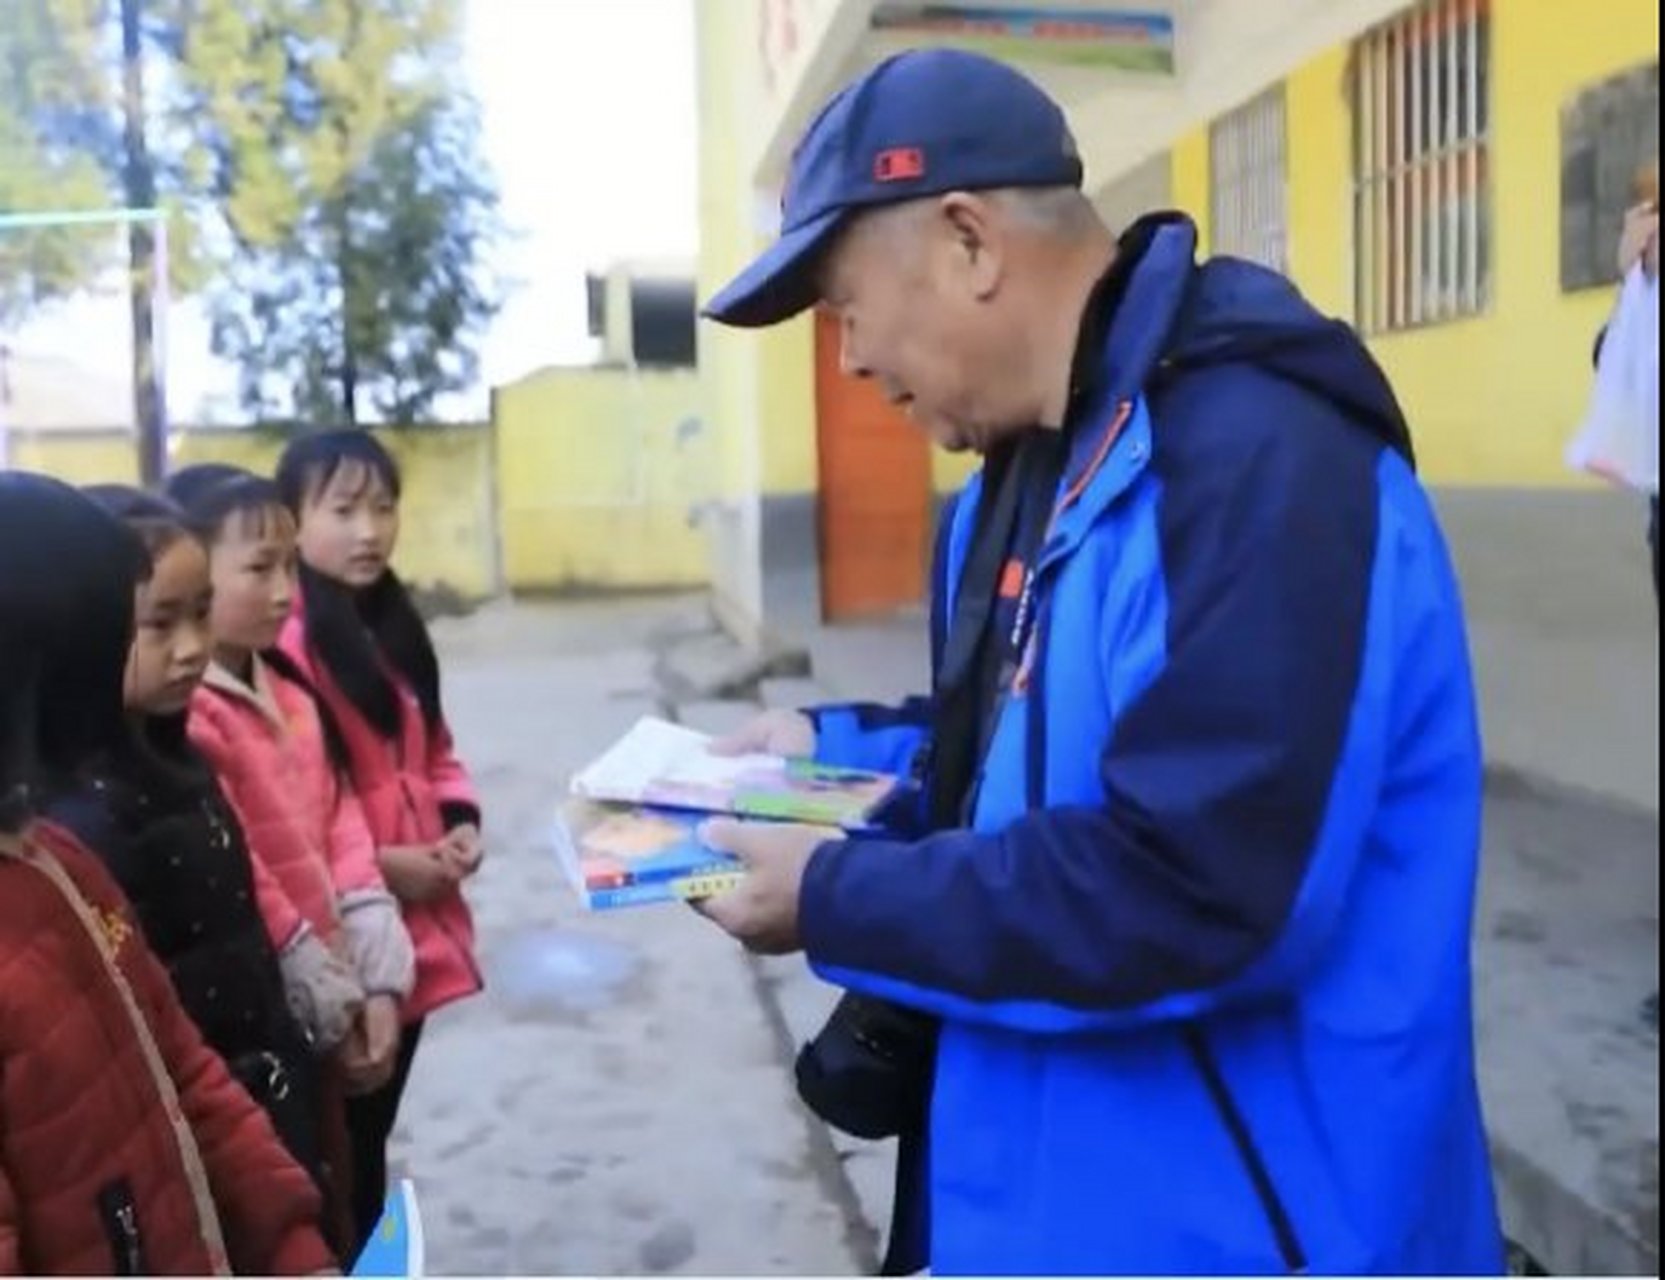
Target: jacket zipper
1254, 1164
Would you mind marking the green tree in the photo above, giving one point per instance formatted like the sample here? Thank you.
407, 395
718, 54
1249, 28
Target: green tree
56, 143
75, 127
323, 163
343, 159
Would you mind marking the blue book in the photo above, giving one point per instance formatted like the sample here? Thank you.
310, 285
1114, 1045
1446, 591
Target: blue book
396, 1246
621, 855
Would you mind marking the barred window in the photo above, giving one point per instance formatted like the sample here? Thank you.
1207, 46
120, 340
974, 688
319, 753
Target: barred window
1248, 181
1422, 190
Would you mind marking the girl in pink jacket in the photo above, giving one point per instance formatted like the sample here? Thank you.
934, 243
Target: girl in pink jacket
358, 637
347, 956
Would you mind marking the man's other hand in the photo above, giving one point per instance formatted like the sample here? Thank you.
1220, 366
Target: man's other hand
775, 733
1639, 242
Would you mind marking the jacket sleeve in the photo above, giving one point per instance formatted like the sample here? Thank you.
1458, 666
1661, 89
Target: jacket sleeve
869, 736
1238, 782
269, 1208
459, 803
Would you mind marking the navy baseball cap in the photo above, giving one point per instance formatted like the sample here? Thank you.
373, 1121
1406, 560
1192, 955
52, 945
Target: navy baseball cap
921, 123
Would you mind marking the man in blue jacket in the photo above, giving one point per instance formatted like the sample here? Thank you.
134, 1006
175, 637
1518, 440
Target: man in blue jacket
1201, 769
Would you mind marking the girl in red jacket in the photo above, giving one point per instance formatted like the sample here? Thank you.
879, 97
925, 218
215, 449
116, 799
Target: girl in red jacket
125, 1146
358, 637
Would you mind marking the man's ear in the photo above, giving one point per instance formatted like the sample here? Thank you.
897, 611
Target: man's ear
977, 241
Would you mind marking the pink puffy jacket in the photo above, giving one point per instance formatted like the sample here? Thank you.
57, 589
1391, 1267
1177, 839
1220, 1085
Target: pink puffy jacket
305, 829
402, 787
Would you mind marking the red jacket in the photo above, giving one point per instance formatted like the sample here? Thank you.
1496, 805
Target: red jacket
122, 1152
402, 787
305, 830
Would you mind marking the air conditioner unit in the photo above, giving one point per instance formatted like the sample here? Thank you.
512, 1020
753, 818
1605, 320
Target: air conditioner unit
643, 315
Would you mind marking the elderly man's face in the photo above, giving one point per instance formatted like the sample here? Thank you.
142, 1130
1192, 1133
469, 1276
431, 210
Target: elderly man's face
913, 294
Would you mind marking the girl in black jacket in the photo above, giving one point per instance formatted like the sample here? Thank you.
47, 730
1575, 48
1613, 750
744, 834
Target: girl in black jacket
152, 812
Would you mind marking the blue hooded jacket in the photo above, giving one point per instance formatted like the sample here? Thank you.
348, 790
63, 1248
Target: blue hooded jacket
1202, 956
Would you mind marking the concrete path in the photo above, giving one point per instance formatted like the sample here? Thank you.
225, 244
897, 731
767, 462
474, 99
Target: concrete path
616, 1103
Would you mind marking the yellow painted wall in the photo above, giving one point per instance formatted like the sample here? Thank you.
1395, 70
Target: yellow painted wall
757, 389
78, 457
1493, 399
764, 381
1319, 195
449, 534
725, 52
601, 477
1190, 180
950, 470
786, 398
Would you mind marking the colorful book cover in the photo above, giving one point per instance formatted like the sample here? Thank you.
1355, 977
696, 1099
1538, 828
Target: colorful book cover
669, 766
396, 1246
625, 856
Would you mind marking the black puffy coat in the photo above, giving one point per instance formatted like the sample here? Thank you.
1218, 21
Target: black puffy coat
161, 827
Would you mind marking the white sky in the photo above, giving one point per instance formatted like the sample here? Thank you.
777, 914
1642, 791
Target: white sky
589, 124
587, 112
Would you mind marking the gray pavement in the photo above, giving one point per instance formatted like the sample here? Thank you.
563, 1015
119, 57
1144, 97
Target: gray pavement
1565, 635
616, 1102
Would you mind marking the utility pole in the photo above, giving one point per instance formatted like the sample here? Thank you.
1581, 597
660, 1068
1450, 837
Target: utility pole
150, 412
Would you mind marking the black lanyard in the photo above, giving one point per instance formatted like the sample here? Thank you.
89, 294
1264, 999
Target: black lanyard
979, 657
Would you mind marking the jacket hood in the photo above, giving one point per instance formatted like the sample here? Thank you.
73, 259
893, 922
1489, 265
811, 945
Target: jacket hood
1238, 312
1172, 315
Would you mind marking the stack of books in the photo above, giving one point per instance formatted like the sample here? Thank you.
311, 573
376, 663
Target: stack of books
628, 834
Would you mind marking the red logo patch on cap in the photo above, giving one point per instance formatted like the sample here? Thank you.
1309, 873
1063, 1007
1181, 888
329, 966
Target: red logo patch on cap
899, 164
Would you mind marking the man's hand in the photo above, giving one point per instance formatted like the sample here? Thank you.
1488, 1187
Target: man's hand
416, 873
775, 733
463, 850
1640, 240
762, 910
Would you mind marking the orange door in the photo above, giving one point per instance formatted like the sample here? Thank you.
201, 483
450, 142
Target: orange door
875, 495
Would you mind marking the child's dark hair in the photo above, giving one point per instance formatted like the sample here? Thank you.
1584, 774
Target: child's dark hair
67, 572
213, 494
346, 628
157, 522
